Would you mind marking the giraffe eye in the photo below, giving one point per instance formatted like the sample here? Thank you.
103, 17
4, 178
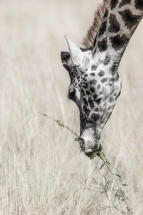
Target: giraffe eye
71, 95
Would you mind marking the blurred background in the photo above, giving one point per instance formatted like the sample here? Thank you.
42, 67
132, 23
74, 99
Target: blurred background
41, 168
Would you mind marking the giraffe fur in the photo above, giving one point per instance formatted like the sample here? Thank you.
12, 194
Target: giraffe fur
95, 83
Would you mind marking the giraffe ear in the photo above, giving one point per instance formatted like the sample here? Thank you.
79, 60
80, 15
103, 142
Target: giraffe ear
78, 57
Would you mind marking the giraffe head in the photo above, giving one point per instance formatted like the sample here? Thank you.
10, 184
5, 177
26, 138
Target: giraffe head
94, 87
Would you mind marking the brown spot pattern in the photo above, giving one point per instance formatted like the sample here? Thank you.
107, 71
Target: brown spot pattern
124, 2
139, 4
119, 41
106, 97
106, 14
95, 96
102, 29
101, 73
93, 82
129, 19
86, 110
104, 80
82, 92
98, 87
87, 93
111, 100
92, 74
92, 89
85, 85
113, 69
102, 45
85, 102
94, 116
93, 67
107, 60
91, 103
114, 24
113, 4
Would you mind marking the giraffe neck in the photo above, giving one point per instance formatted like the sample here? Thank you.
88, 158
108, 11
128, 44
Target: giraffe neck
120, 20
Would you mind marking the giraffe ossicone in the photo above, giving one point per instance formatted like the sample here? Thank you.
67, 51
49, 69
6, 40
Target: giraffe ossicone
95, 84
78, 57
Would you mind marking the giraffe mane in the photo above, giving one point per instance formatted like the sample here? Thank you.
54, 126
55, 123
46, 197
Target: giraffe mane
91, 34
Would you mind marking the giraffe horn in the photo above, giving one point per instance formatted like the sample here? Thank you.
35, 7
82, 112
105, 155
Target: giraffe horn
76, 54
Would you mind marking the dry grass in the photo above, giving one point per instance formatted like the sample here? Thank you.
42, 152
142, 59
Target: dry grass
41, 169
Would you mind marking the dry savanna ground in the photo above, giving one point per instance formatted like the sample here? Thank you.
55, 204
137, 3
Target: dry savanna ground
42, 171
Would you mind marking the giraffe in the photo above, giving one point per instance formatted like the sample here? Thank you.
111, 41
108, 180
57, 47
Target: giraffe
93, 70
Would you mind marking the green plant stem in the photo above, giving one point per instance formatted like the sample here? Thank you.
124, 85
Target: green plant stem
118, 185
60, 124
99, 154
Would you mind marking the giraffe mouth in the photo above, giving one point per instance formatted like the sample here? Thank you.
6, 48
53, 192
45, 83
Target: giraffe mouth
89, 152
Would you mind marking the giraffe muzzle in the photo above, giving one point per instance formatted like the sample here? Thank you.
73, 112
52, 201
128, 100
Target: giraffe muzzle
90, 144
97, 148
